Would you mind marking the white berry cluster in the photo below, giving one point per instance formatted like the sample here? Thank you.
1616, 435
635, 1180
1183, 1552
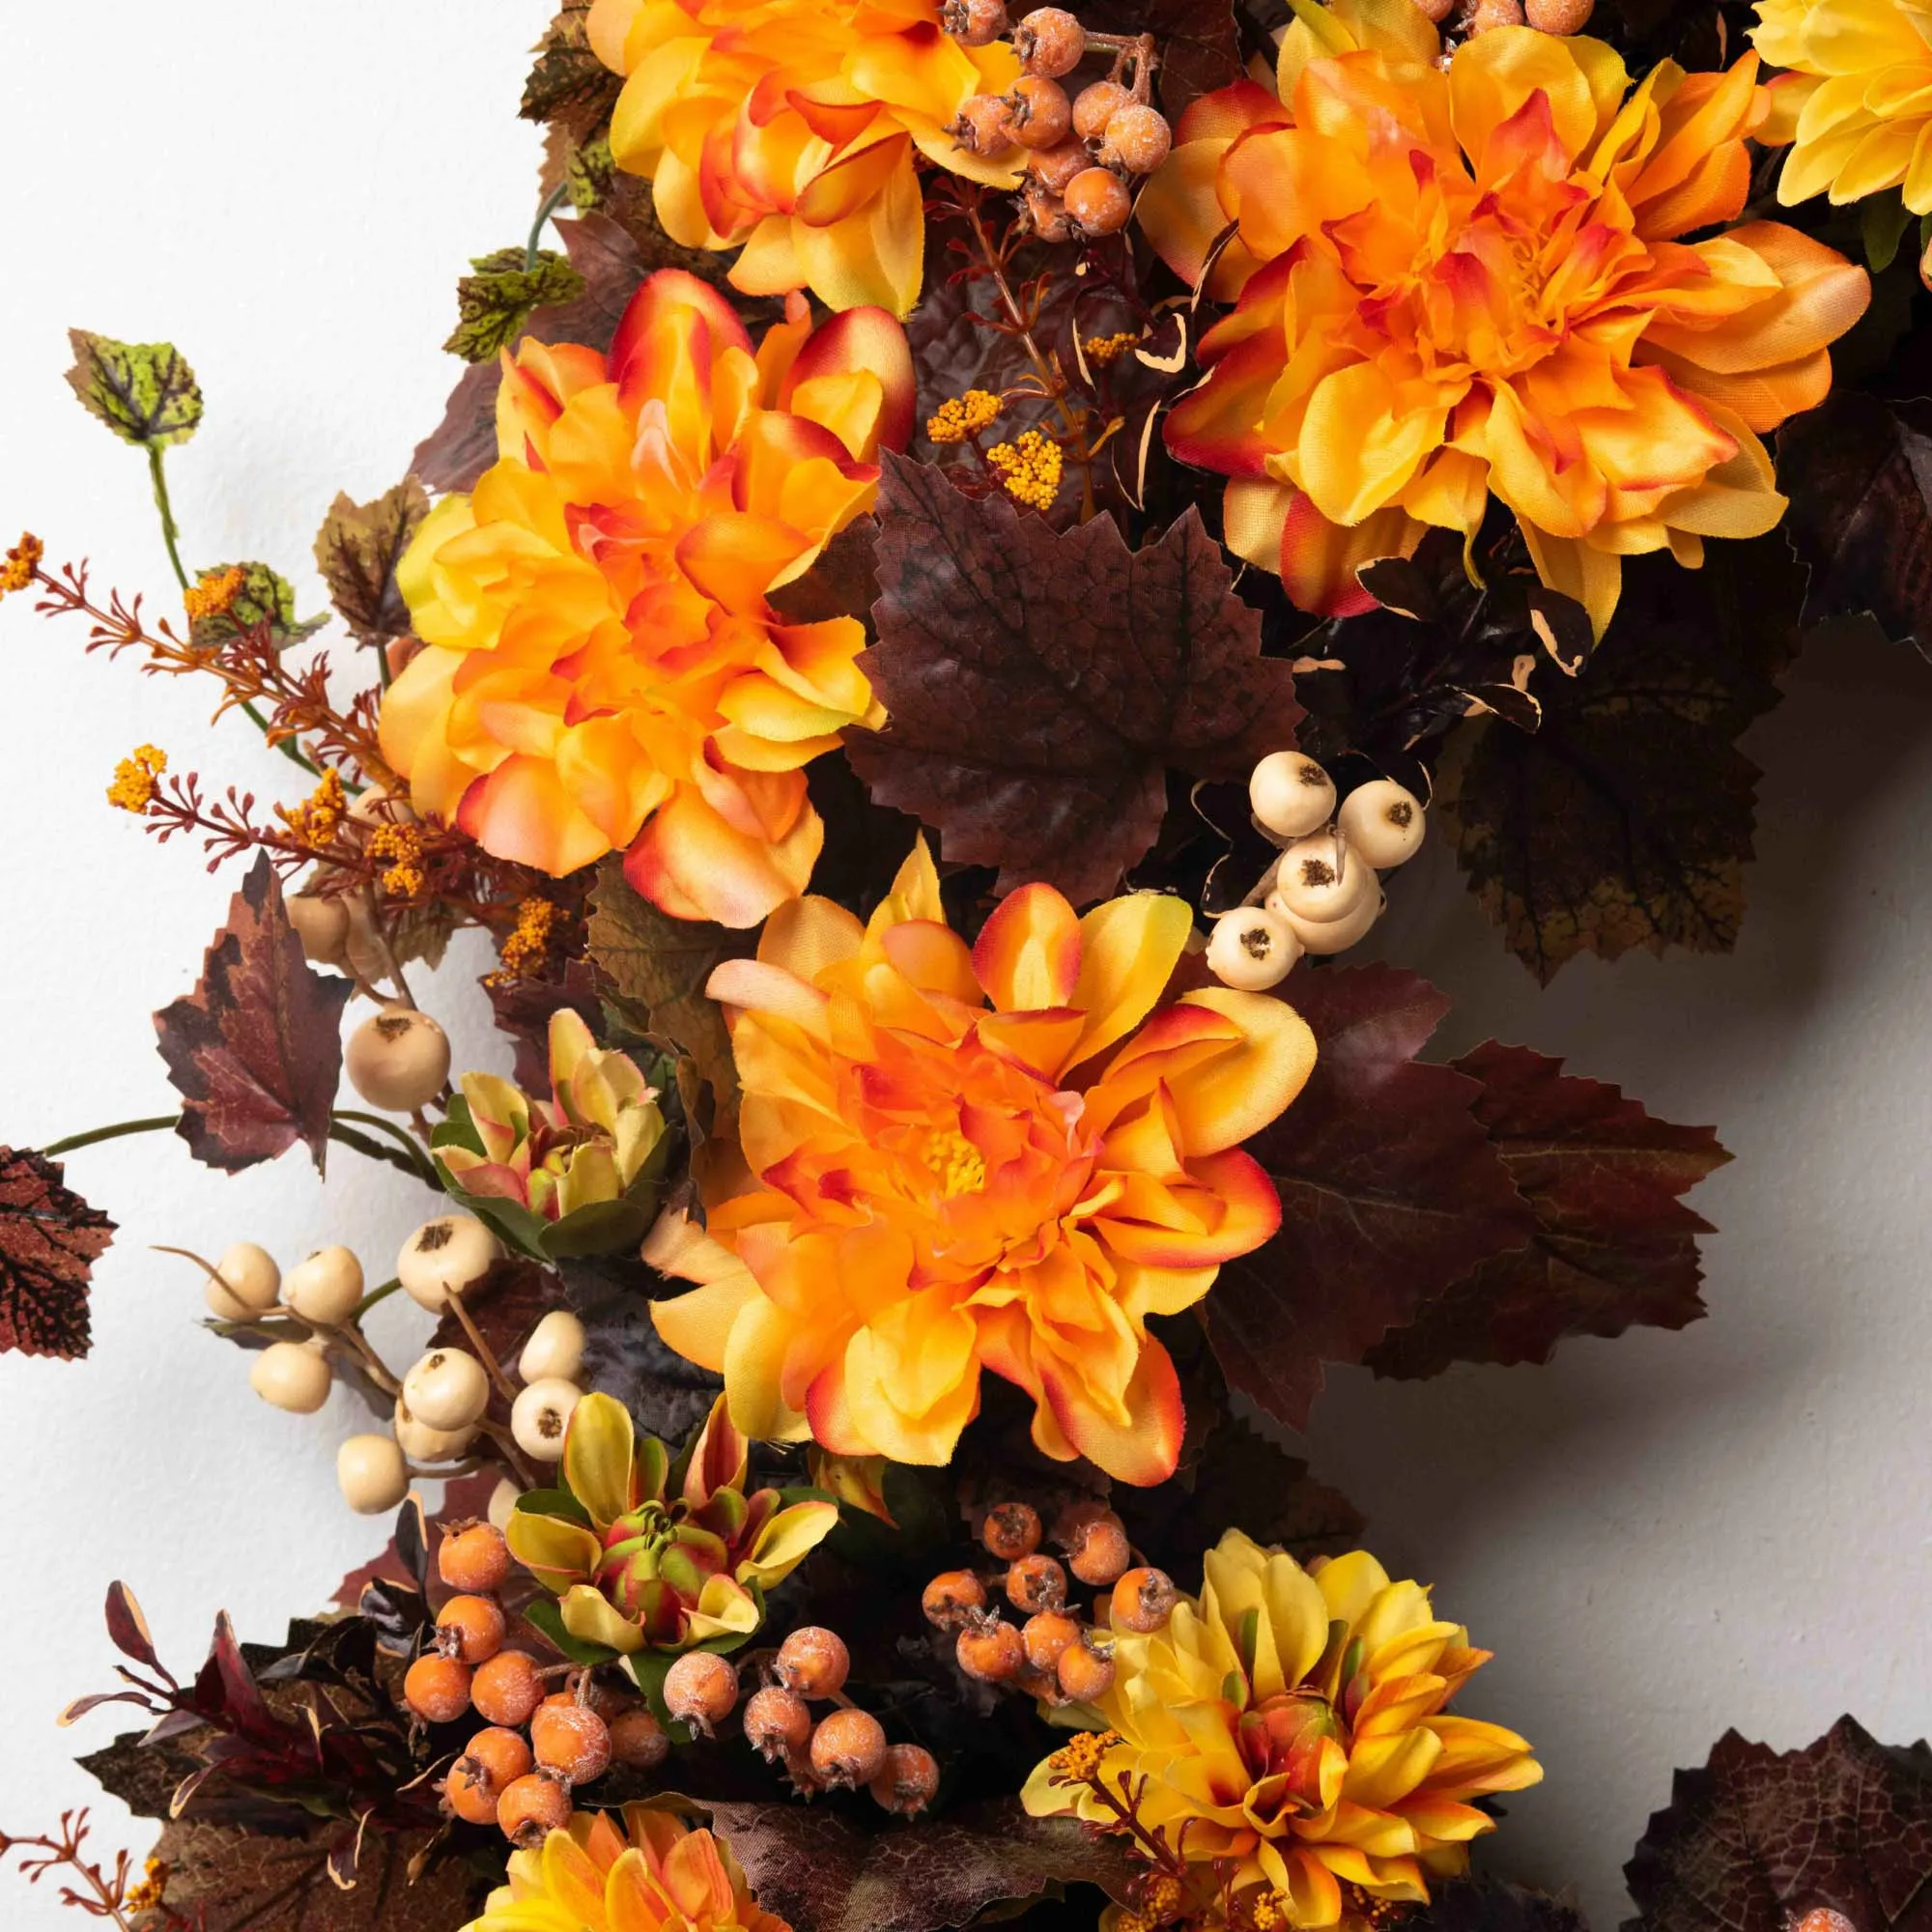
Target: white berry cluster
442, 1403
1321, 893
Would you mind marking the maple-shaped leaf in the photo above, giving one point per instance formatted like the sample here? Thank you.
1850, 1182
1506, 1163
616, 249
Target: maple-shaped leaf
1614, 1247
656, 968
144, 391
1625, 819
506, 288
1757, 1838
813, 1867
1858, 474
241, 1881
1390, 1190
50, 1241
255, 1051
1038, 684
358, 550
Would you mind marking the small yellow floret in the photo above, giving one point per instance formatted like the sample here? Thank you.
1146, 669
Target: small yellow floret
1105, 349
1029, 468
401, 846
525, 946
22, 561
147, 1893
133, 786
1078, 1760
315, 819
216, 594
963, 416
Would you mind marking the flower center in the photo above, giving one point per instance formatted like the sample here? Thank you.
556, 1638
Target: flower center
955, 1163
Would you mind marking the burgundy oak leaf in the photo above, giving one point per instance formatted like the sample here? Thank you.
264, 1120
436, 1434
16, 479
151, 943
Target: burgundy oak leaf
50, 1241
1614, 1247
814, 1868
1390, 1191
1757, 1838
255, 1051
1858, 474
1038, 684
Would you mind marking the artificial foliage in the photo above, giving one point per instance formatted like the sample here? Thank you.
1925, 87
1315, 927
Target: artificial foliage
964, 555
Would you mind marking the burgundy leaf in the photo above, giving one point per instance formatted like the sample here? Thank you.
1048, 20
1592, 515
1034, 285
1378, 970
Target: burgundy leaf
523, 1009
128, 1628
50, 1241
255, 1050
1614, 1247
822, 1874
1390, 1191
1039, 685
1757, 1838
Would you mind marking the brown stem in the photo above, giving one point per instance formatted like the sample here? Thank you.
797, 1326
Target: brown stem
484, 1352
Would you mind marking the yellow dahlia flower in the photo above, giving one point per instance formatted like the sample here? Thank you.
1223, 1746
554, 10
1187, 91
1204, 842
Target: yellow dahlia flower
1858, 101
791, 128
1466, 283
603, 669
965, 1158
1293, 1722
653, 1874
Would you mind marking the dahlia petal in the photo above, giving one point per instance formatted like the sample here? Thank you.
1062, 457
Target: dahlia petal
693, 864
1146, 1448
698, 1325
867, 341
520, 811
754, 1367
1128, 947
1319, 561
1028, 954
1254, 512
808, 935
873, 257
1587, 575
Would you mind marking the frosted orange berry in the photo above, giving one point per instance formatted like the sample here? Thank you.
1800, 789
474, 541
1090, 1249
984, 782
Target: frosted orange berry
1046, 1635
812, 1662
777, 1726
700, 1690
974, 23
1046, 214
1040, 111
1036, 1583
907, 1780
1097, 202
1010, 1531
1095, 105
436, 1687
572, 1741
532, 1809
990, 1650
983, 125
1054, 167
1084, 1672
637, 1740
1137, 139
849, 1750
472, 1629
470, 1793
1050, 41
507, 1688
1493, 14
1142, 1601
474, 1558
951, 1597
1097, 1550
1559, 16
501, 1753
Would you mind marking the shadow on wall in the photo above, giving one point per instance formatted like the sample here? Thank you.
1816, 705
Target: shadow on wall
1637, 1529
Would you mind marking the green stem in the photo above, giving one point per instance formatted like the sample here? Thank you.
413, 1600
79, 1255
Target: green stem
374, 1296
348, 1137
152, 1125
551, 202
410, 1144
170, 533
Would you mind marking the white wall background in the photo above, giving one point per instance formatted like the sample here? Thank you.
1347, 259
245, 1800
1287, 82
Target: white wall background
1660, 1536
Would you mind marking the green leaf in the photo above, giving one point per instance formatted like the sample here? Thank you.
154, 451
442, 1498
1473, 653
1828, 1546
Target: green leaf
144, 391
548, 1618
266, 597
589, 177
1883, 219
552, 1502
494, 303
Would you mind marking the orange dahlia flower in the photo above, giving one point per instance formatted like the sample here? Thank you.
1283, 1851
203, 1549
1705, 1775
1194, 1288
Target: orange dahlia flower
792, 127
1454, 284
603, 669
965, 1158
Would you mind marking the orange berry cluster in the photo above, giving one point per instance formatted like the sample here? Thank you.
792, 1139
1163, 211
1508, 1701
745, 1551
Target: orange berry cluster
1053, 1656
1480, 16
520, 1784
1080, 150
840, 1751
